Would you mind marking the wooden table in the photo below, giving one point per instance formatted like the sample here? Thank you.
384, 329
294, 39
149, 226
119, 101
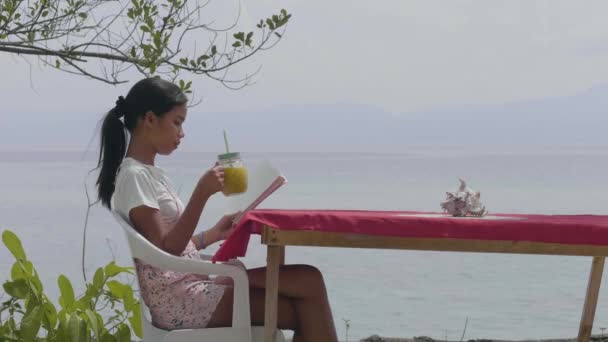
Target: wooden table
584, 235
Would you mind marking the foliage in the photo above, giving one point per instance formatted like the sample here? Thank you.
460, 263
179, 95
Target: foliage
149, 36
29, 315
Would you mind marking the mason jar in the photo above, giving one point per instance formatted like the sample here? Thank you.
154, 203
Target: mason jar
235, 173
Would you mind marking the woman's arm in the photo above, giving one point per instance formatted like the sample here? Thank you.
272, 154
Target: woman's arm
222, 229
173, 240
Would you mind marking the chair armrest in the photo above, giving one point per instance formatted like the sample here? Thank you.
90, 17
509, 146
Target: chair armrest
233, 261
206, 257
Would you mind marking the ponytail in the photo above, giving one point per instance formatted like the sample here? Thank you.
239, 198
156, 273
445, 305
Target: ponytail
150, 94
111, 152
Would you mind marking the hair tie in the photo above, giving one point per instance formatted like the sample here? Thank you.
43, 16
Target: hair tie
120, 107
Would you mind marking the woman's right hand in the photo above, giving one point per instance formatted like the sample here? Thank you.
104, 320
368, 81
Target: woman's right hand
212, 181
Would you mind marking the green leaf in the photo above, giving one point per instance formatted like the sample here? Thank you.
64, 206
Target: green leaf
135, 320
57, 64
128, 300
30, 303
123, 333
107, 337
116, 288
22, 270
249, 35
133, 53
62, 327
213, 50
30, 324
144, 28
157, 40
236, 44
77, 329
98, 279
50, 313
112, 269
45, 14
17, 289
12, 242
82, 15
93, 323
67, 292
36, 285
270, 23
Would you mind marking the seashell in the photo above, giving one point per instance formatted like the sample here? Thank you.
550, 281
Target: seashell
463, 202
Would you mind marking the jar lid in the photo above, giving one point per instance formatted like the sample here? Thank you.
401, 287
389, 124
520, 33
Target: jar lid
229, 156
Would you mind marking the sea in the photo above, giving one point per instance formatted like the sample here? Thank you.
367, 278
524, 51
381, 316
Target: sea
444, 295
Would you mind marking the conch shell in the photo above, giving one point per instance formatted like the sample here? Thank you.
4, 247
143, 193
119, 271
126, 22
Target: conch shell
463, 202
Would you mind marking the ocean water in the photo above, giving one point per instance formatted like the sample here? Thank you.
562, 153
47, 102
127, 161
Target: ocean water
386, 292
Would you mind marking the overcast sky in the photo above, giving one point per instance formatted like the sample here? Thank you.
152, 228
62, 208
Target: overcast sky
399, 56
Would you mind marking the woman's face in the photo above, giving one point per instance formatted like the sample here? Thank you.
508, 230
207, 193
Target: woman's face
166, 132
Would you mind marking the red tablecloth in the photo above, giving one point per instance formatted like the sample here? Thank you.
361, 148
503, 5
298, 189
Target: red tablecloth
564, 229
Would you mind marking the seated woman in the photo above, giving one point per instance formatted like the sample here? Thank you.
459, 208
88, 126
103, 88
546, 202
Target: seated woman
153, 113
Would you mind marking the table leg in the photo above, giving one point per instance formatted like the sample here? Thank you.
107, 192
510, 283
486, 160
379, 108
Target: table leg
273, 259
593, 290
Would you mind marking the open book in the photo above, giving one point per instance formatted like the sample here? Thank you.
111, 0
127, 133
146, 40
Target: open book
263, 181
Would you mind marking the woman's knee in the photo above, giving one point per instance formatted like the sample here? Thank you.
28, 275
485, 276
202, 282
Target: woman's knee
311, 276
312, 272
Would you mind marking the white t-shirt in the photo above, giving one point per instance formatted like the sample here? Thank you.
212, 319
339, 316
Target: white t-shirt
139, 184
176, 300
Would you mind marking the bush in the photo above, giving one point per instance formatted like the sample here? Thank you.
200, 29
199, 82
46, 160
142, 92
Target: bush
33, 317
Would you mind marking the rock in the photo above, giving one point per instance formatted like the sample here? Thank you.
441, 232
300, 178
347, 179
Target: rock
423, 339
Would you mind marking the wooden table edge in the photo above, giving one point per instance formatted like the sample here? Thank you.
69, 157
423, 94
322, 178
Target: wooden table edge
277, 239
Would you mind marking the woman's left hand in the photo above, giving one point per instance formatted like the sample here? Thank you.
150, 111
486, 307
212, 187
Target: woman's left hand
225, 226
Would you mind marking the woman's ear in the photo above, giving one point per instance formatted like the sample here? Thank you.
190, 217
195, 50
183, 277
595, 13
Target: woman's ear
150, 119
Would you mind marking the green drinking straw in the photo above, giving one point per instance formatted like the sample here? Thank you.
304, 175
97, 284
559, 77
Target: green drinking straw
226, 142
227, 149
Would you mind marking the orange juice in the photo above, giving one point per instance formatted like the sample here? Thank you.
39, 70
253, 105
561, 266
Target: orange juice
235, 173
235, 180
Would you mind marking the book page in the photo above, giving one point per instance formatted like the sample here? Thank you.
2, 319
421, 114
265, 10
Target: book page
262, 182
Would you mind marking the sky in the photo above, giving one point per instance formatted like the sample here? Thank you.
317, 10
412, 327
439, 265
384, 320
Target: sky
390, 59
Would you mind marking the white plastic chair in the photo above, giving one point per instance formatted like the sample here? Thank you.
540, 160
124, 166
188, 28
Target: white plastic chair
241, 329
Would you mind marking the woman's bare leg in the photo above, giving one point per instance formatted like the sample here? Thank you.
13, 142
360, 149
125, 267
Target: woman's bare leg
305, 286
222, 317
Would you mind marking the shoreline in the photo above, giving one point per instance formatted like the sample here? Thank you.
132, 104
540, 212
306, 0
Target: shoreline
377, 338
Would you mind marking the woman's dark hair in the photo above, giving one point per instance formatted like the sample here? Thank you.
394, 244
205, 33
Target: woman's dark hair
150, 94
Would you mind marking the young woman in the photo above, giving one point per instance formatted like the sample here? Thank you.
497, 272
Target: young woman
153, 113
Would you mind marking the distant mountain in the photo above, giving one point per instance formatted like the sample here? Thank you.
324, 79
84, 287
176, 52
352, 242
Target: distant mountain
573, 120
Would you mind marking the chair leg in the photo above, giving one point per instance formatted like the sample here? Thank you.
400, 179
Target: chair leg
593, 290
